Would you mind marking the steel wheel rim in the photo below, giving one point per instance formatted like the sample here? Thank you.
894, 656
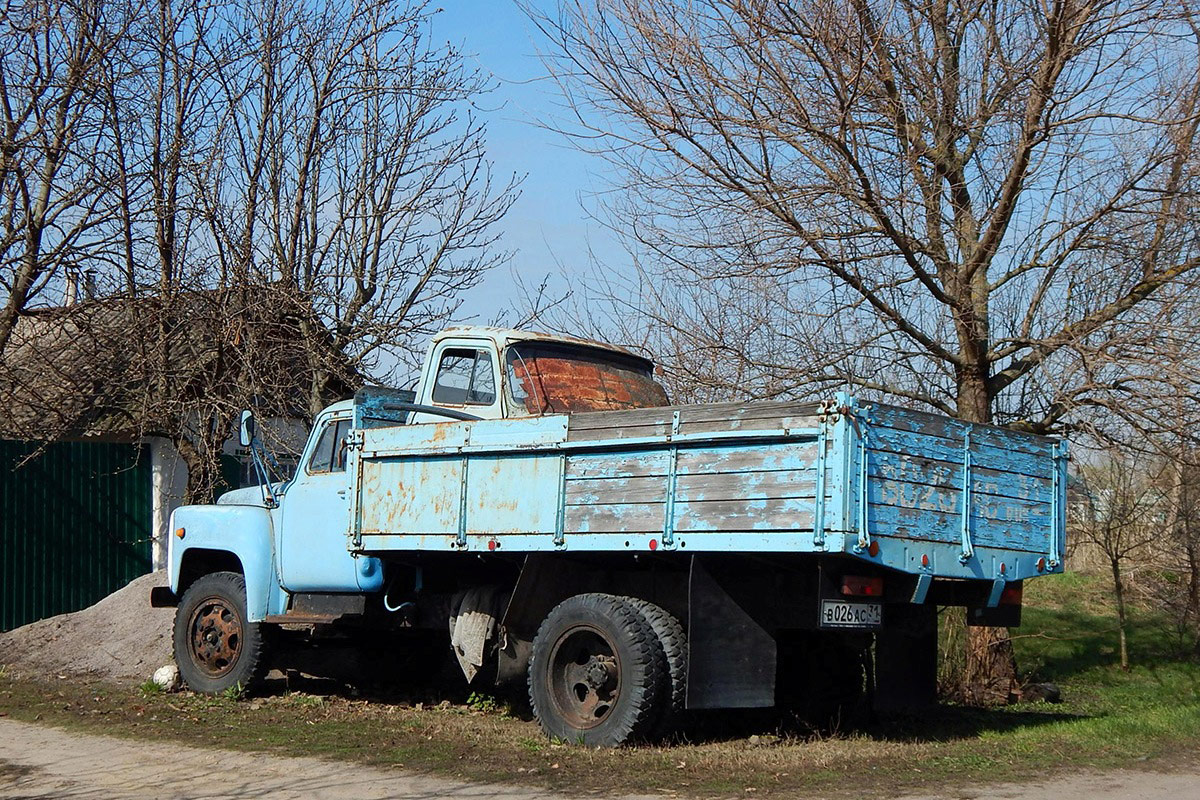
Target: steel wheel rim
584, 676
215, 636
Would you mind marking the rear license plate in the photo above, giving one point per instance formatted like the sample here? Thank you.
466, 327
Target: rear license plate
840, 614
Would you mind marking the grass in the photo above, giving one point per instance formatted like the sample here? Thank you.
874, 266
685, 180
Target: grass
1109, 718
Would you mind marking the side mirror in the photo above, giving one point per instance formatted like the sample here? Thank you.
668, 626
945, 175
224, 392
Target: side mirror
246, 428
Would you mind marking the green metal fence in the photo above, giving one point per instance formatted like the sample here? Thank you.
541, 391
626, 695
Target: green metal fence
74, 525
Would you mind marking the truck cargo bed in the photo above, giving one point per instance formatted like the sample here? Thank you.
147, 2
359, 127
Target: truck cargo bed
909, 490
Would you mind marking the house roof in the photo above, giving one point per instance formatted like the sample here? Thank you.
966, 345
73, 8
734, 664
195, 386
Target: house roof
91, 369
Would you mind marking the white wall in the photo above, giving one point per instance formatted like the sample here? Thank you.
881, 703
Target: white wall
168, 486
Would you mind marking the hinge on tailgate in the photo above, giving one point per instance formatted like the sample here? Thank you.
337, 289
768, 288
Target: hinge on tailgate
968, 549
860, 418
668, 537
819, 509
1057, 505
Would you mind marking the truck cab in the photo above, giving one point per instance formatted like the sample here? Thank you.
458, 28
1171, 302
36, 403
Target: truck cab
497, 373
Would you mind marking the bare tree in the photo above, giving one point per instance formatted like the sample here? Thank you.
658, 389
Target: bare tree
1161, 425
345, 189
276, 199
1122, 514
55, 214
356, 182
1174, 584
950, 203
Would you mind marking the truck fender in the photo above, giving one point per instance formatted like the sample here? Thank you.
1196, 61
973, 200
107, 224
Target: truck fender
243, 532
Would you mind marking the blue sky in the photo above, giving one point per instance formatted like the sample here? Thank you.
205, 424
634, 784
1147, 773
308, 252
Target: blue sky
548, 227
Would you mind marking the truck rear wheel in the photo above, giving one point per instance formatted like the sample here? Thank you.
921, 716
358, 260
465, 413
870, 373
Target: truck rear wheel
674, 645
597, 675
216, 648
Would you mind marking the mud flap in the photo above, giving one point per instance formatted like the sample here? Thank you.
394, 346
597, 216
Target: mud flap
906, 659
731, 656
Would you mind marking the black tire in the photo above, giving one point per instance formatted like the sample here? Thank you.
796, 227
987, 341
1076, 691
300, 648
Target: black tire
673, 641
216, 648
597, 675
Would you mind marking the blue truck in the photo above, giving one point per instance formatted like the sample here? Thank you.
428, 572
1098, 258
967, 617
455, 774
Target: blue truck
537, 499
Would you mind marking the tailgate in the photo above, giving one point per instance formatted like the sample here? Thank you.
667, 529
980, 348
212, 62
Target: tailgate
930, 478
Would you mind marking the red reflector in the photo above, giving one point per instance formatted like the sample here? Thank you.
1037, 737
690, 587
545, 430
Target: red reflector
858, 586
654, 544
1011, 596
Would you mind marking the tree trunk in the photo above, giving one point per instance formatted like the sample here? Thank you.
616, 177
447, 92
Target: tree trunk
202, 472
1193, 559
1119, 593
990, 674
1180, 528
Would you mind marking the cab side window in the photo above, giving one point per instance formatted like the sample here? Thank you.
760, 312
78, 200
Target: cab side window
330, 453
465, 377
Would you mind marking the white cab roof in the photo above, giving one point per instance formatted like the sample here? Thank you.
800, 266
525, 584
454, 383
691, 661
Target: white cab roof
503, 336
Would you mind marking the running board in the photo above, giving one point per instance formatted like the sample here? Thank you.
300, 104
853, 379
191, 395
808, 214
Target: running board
320, 608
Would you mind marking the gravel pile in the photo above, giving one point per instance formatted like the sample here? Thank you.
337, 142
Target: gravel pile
121, 638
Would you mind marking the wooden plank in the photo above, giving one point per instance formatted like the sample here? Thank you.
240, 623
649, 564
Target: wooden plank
947, 500
633, 464
615, 518
953, 430
987, 530
722, 416
618, 431
742, 412
775, 484
616, 490
786, 514
983, 455
591, 420
747, 457
765, 423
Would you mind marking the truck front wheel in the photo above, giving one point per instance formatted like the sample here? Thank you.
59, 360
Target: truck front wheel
216, 648
598, 674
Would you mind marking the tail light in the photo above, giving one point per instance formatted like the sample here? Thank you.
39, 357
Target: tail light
1011, 596
858, 586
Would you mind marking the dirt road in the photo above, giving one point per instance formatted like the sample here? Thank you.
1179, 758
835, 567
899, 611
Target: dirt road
42, 762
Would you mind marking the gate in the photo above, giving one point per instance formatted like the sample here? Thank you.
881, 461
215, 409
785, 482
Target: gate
75, 525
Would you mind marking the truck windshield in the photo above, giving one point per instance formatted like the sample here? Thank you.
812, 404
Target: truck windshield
549, 378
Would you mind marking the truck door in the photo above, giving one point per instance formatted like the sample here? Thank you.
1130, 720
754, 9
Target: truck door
316, 518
